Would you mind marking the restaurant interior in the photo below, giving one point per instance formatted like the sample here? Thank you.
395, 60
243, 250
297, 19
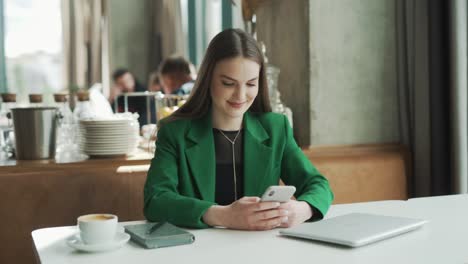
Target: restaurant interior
375, 91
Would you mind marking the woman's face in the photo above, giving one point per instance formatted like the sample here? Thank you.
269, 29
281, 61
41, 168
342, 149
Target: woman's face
234, 86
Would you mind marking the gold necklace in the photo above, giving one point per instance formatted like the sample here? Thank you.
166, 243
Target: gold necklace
233, 159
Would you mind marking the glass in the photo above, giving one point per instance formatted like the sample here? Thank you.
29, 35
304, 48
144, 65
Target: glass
7, 136
272, 76
167, 104
148, 133
83, 109
7, 142
67, 149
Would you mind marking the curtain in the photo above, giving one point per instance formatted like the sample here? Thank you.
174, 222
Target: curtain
167, 32
458, 75
86, 35
424, 97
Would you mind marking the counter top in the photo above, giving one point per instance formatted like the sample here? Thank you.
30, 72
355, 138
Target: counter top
15, 166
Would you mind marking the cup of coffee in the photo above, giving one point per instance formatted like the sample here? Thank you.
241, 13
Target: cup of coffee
97, 228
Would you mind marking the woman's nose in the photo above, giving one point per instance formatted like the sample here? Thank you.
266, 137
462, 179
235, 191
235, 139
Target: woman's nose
240, 92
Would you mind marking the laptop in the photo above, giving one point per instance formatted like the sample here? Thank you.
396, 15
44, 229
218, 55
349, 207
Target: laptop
355, 229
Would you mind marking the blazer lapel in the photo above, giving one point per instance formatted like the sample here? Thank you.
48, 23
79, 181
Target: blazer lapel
257, 156
201, 156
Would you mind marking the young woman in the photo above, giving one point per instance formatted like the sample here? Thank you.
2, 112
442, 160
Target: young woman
221, 150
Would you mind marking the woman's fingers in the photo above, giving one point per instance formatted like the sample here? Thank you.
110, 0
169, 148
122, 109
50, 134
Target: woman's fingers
268, 219
272, 223
262, 206
251, 214
269, 214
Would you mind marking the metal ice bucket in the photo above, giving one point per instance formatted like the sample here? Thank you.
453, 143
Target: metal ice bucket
35, 132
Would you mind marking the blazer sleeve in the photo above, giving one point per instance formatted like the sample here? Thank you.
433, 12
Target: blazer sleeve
297, 170
162, 201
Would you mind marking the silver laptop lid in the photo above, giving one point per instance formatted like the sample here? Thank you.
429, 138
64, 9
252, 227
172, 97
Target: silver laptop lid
355, 229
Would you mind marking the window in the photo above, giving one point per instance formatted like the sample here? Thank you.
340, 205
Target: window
33, 48
202, 20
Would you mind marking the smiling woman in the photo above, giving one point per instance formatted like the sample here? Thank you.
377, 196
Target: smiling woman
234, 87
223, 148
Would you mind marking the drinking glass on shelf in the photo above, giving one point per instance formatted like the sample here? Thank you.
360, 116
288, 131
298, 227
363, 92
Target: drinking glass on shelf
67, 133
83, 108
148, 133
167, 104
7, 140
5, 152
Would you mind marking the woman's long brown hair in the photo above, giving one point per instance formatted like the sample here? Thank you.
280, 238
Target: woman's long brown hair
229, 43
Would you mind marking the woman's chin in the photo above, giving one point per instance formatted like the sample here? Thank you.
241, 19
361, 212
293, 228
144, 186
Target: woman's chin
235, 113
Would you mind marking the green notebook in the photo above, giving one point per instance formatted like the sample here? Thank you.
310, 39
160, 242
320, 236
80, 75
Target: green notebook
156, 235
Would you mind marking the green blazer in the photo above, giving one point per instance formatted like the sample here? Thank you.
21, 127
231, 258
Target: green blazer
180, 185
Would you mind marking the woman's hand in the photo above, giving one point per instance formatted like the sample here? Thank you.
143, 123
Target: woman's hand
299, 212
247, 213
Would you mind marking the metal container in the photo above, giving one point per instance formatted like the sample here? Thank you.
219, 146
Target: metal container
35, 132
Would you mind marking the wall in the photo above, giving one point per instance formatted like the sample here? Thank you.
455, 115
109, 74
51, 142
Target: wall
283, 26
341, 85
353, 92
129, 35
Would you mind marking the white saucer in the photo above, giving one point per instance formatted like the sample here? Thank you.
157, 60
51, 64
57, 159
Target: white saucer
120, 239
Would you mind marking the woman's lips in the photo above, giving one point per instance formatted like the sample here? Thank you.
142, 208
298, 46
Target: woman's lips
235, 105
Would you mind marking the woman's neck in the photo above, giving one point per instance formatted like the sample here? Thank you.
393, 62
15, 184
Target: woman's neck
226, 123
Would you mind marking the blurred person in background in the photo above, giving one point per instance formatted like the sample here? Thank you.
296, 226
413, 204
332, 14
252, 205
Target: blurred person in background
154, 85
175, 76
125, 82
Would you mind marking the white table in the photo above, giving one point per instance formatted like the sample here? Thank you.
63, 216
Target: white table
443, 240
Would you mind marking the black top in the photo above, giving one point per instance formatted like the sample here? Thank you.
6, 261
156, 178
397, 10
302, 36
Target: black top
224, 191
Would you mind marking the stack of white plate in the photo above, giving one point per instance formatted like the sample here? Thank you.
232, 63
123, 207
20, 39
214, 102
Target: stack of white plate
109, 137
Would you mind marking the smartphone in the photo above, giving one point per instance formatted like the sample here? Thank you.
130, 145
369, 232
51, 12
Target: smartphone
280, 194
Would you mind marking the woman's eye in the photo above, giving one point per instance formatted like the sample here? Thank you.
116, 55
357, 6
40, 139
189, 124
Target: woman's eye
251, 84
228, 83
